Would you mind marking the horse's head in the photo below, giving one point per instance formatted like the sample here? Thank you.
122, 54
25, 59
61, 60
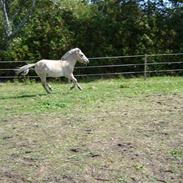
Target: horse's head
81, 56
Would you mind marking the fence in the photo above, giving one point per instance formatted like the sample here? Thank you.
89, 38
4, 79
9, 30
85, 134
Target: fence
118, 65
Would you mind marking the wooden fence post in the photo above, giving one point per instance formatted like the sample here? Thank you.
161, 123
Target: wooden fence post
145, 66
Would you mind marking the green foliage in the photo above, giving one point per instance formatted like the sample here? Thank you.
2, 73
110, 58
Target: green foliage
99, 28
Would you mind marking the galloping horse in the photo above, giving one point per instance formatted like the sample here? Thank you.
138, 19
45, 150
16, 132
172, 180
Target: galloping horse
57, 68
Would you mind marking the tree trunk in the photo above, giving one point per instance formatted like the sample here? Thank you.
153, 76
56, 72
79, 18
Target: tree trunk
8, 27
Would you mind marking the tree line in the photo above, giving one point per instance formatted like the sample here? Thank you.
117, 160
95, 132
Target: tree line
37, 29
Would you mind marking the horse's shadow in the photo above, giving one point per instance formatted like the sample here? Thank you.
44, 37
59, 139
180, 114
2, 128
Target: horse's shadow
22, 96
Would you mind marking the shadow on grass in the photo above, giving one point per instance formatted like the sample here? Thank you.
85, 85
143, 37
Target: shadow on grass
22, 96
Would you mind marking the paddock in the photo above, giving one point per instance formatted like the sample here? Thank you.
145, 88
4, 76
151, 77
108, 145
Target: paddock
115, 130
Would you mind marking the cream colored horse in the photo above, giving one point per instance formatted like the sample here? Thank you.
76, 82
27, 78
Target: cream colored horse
57, 68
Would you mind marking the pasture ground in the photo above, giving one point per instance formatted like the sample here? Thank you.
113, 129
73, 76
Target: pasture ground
116, 131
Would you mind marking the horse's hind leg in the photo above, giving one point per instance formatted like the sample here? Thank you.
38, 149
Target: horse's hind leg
41, 72
50, 88
45, 85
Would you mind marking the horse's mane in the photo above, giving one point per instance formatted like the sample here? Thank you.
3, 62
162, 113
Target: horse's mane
68, 53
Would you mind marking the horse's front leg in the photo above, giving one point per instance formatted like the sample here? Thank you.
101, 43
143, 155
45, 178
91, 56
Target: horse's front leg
73, 86
79, 87
75, 83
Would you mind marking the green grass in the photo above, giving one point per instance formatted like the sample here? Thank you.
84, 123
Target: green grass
20, 98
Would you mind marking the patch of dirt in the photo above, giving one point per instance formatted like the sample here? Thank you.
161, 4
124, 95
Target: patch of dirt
133, 140
10, 176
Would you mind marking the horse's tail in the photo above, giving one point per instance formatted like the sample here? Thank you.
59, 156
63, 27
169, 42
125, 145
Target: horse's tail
24, 70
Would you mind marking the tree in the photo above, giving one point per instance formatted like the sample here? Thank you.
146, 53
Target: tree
15, 14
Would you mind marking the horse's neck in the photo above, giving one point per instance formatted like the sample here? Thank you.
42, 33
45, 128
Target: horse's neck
70, 63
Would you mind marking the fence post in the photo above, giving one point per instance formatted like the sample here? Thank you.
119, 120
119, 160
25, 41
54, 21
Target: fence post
145, 66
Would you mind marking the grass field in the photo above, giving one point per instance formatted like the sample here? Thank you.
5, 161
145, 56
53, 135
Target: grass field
115, 130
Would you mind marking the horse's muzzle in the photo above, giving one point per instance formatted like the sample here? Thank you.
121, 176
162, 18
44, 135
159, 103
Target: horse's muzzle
87, 61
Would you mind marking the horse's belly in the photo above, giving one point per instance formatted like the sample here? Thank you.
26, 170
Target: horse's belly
55, 73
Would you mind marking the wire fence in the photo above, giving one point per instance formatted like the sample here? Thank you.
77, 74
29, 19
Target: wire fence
145, 65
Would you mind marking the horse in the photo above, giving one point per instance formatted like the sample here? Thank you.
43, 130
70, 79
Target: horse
56, 68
